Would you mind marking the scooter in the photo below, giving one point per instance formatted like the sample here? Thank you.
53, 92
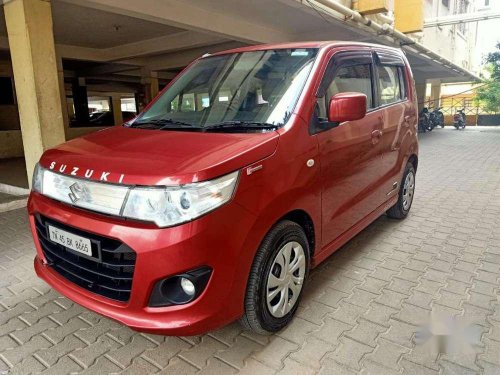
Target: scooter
437, 117
459, 119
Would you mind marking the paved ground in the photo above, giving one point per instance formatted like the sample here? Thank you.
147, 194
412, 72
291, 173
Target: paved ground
360, 312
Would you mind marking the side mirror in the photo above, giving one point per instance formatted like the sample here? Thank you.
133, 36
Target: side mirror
347, 106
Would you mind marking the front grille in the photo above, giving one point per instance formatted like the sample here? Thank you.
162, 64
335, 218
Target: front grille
109, 275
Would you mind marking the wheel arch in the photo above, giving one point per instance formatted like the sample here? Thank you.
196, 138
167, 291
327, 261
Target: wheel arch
303, 219
413, 159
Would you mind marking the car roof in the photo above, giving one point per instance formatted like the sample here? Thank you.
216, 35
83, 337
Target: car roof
293, 45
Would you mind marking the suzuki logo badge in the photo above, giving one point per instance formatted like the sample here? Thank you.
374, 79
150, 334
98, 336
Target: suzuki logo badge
75, 189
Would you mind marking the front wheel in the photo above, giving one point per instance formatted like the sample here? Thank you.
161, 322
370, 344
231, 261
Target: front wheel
276, 279
405, 198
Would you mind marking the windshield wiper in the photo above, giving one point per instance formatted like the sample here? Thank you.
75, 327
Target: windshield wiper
163, 123
167, 123
246, 125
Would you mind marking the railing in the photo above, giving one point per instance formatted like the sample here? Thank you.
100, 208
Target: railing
451, 104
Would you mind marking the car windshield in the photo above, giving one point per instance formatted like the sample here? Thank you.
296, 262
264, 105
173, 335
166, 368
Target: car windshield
241, 90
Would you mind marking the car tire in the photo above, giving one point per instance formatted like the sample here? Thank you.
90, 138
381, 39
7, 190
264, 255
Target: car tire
405, 196
265, 313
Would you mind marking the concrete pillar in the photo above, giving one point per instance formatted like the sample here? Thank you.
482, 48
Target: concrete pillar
421, 88
138, 102
150, 83
80, 100
32, 50
154, 87
435, 94
116, 107
62, 90
70, 108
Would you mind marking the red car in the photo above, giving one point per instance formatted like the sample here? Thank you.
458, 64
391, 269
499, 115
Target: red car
249, 169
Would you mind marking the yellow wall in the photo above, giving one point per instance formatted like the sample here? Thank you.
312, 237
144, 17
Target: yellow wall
471, 120
460, 100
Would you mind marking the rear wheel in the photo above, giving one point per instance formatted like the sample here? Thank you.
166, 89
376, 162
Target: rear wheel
405, 198
276, 280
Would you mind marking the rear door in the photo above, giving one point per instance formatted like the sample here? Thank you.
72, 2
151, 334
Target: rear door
349, 152
397, 113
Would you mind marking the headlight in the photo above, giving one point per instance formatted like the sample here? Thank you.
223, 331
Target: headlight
173, 205
37, 180
165, 206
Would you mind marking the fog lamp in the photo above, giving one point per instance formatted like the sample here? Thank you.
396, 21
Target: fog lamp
180, 289
187, 286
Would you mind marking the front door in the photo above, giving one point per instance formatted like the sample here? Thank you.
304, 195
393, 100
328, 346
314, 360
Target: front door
350, 153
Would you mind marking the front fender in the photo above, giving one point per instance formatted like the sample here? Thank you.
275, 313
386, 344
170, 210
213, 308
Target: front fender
283, 183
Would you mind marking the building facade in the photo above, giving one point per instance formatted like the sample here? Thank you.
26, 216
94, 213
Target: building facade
456, 42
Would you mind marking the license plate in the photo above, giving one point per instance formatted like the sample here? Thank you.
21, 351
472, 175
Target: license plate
71, 241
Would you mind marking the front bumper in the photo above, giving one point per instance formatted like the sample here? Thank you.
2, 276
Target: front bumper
212, 240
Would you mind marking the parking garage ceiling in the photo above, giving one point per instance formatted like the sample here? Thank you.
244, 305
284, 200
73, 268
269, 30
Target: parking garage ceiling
87, 27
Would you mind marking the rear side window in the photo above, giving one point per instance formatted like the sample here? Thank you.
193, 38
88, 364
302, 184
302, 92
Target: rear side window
402, 82
389, 84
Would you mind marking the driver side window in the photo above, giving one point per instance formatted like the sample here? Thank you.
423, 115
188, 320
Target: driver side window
354, 78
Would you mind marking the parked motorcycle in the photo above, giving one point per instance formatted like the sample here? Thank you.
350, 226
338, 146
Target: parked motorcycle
436, 118
459, 119
424, 123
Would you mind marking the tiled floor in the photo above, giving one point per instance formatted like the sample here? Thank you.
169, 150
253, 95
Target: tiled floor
360, 312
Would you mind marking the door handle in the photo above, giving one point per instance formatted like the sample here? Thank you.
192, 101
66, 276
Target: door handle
406, 121
376, 136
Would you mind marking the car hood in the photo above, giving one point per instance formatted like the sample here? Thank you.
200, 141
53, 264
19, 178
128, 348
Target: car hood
158, 157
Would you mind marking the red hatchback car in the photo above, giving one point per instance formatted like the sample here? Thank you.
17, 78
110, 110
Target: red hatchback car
250, 168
